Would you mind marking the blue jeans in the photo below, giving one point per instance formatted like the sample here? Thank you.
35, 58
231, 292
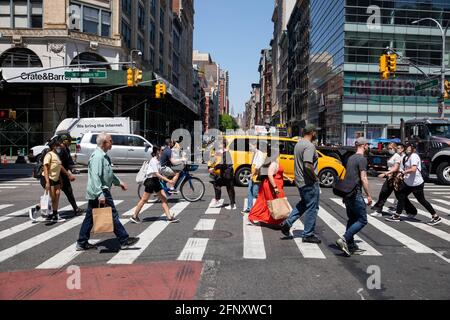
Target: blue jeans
357, 216
88, 222
252, 193
308, 205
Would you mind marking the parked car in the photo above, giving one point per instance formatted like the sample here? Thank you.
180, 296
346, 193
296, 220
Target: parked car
329, 168
127, 149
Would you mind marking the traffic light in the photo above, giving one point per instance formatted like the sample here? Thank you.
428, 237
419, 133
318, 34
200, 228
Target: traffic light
392, 63
4, 114
160, 89
137, 76
12, 114
447, 89
384, 73
130, 77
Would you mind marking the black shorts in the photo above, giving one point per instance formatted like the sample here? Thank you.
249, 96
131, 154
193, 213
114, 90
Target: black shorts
52, 183
152, 185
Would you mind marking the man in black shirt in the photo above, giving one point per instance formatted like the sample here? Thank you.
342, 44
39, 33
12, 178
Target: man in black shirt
68, 164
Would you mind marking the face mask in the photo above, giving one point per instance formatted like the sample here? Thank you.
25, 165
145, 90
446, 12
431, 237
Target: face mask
391, 152
408, 153
58, 150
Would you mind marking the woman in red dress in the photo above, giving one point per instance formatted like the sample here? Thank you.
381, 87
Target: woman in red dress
271, 188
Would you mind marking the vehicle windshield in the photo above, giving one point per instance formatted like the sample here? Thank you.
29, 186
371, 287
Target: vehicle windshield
440, 130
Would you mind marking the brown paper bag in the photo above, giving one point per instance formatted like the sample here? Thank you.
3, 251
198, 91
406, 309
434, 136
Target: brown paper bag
279, 208
103, 220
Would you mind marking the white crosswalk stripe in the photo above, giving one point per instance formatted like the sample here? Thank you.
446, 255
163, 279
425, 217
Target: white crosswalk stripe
409, 242
26, 225
64, 257
253, 240
212, 210
194, 250
442, 209
15, 214
339, 229
205, 224
43, 237
308, 250
130, 212
426, 214
146, 237
4, 206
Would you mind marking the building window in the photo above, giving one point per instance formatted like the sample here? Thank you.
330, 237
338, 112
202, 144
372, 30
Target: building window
153, 8
106, 24
141, 17
126, 7
21, 14
161, 18
161, 43
90, 20
161, 65
152, 32
141, 45
126, 34
152, 57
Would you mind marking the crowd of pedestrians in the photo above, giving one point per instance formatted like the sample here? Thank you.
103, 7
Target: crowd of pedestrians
266, 183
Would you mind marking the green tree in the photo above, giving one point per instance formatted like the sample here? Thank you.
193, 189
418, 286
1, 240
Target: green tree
227, 122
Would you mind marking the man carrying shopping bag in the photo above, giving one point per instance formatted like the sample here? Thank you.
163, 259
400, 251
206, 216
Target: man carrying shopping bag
98, 193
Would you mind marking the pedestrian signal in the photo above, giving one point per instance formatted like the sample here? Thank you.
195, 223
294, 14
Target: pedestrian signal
12, 114
130, 77
4, 114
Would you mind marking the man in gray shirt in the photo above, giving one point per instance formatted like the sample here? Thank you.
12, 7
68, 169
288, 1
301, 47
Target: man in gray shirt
308, 185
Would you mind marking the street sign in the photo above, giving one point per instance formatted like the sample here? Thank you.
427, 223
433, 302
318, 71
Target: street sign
86, 74
426, 85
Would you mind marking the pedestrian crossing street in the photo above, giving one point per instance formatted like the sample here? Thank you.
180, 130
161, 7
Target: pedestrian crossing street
255, 240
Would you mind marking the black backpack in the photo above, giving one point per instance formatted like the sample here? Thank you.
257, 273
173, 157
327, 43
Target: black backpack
39, 167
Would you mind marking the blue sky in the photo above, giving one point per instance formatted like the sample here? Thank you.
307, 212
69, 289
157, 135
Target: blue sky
234, 32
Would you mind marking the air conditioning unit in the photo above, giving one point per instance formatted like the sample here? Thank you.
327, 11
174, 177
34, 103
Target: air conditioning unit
17, 40
93, 45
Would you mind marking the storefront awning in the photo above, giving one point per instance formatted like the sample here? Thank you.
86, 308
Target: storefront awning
178, 95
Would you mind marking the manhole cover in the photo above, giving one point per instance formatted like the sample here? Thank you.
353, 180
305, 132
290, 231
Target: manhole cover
213, 234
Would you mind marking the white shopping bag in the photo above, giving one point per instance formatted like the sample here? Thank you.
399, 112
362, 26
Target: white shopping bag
46, 203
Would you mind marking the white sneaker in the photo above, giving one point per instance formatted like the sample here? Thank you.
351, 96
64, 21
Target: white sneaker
217, 204
376, 214
229, 207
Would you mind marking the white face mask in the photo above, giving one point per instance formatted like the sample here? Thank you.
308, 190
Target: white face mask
58, 150
391, 152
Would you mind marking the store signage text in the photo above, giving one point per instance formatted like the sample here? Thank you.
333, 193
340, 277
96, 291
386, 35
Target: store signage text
39, 75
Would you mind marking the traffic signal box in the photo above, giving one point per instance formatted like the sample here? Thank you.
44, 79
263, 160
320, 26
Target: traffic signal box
392, 63
384, 73
160, 90
7, 114
130, 77
137, 76
447, 89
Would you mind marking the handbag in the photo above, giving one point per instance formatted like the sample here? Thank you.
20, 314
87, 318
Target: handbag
46, 203
142, 174
279, 208
103, 220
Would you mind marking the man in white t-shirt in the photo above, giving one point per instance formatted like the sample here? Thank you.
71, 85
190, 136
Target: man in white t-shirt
253, 186
413, 183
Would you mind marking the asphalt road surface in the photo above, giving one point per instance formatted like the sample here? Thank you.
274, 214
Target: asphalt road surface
217, 254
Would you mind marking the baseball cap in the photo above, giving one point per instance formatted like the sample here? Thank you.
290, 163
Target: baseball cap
361, 141
309, 128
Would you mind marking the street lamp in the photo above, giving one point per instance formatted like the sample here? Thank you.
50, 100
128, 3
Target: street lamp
139, 53
442, 102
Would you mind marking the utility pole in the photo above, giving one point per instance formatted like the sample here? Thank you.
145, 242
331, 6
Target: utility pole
441, 100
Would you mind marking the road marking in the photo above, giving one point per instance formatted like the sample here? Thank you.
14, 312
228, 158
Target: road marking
253, 241
8, 187
308, 250
205, 224
4, 206
445, 210
16, 214
428, 215
64, 257
211, 210
14, 184
26, 225
130, 212
146, 238
340, 229
440, 193
194, 249
32, 242
409, 242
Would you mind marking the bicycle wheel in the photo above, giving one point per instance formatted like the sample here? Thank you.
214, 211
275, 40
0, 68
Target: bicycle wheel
153, 198
193, 189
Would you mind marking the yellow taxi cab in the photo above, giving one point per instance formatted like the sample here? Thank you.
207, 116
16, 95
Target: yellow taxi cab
329, 168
